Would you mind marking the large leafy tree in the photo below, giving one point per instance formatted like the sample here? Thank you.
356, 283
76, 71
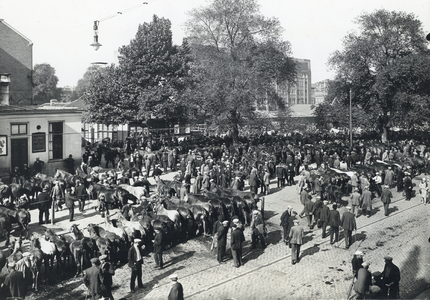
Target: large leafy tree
239, 61
150, 81
375, 62
45, 83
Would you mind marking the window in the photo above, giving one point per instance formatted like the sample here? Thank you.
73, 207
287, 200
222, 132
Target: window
17, 129
56, 140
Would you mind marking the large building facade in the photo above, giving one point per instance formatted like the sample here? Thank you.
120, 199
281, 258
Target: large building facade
16, 60
319, 91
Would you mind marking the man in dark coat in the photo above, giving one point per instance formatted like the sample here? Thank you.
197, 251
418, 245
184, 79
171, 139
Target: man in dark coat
38, 166
347, 222
391, 279
408, 186
304, 196
70, 164
106, 273
158, 248
81, 193
92, 279
386, 196
285, 223
290, 174
237, 238
324, 217
177, 291
308, 211
334, 222
135, 262
364, 281
45, 202
280, 174
70, 203
296, 240
258, 229
400, 177
222, 241
356, 262
15, 282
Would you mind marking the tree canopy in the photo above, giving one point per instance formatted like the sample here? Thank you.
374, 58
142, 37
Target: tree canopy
239, 62
386, 67
45, 83
150, 80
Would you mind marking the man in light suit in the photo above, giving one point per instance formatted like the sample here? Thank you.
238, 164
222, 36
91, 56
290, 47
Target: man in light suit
135, 262
296, 240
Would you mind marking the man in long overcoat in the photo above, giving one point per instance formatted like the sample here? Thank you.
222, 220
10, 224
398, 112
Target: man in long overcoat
222, 241
347, 222
366, 202
324, 215
334, 222
296, 240
391, 279
386, 196
92, 278
237, 238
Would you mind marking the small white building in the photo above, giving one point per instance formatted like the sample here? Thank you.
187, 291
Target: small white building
49, 133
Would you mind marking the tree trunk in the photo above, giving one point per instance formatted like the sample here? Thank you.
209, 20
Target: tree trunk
384, 135
235, 133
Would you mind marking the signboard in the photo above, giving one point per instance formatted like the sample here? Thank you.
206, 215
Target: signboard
39, 142
3, 145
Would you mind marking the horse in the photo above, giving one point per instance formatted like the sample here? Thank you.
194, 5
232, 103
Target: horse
48, 249
166, 187
173, 215
19, 216
131, 228
117, 242
62, 248
103, 244
89, 246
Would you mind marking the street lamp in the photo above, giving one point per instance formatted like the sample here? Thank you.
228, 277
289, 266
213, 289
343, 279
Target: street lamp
96, 43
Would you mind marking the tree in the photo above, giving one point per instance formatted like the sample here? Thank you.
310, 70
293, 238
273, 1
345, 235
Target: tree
86, 81
239, 60
45, 83
149, 82
373, 62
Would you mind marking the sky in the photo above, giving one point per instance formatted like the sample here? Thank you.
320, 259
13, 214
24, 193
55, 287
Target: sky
62, 30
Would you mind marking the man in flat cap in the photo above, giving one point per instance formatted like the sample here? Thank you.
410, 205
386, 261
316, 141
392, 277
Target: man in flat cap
390, 279
135, 262
285, 223
296, 240
355, 201
177, 291
15, 282
347, 222
92, 279
334, 223
158, 248
237, 239
356, 262
106, 273
364, 281
45, 203
258, 229
386, 196
222, 241
407, 183
324, 217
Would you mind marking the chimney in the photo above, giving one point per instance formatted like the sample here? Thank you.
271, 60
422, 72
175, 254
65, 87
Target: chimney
4, 88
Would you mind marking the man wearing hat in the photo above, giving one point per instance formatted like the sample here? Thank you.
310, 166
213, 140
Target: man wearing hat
92, 279
356, 262
296, 240
308, 211
106, 273
334, 223
285, 223
378, 182
386, 196
135, 262
347, 222
391, 279
177, 291
364, 281
57, 195
389, 177
15, 282
324, 214
355, 201
304, 196
158, 248
45, 202
399, 178
407, 183
81, 193
366, 201
237, 238
70, 203
222, 241
258, 229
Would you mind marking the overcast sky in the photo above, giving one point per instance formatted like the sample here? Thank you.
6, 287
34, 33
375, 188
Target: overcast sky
62, 30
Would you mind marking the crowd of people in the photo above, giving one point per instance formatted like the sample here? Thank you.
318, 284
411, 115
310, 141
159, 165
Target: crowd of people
365, 172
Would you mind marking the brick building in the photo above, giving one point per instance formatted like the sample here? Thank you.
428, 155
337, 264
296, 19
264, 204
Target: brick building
16, 59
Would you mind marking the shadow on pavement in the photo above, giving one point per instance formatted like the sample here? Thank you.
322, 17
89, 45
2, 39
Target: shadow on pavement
410, 285
310, 251
178, 258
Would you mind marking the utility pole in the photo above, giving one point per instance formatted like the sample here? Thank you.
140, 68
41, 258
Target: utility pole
350, 118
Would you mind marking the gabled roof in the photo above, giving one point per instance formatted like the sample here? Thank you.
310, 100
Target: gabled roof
19, 33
